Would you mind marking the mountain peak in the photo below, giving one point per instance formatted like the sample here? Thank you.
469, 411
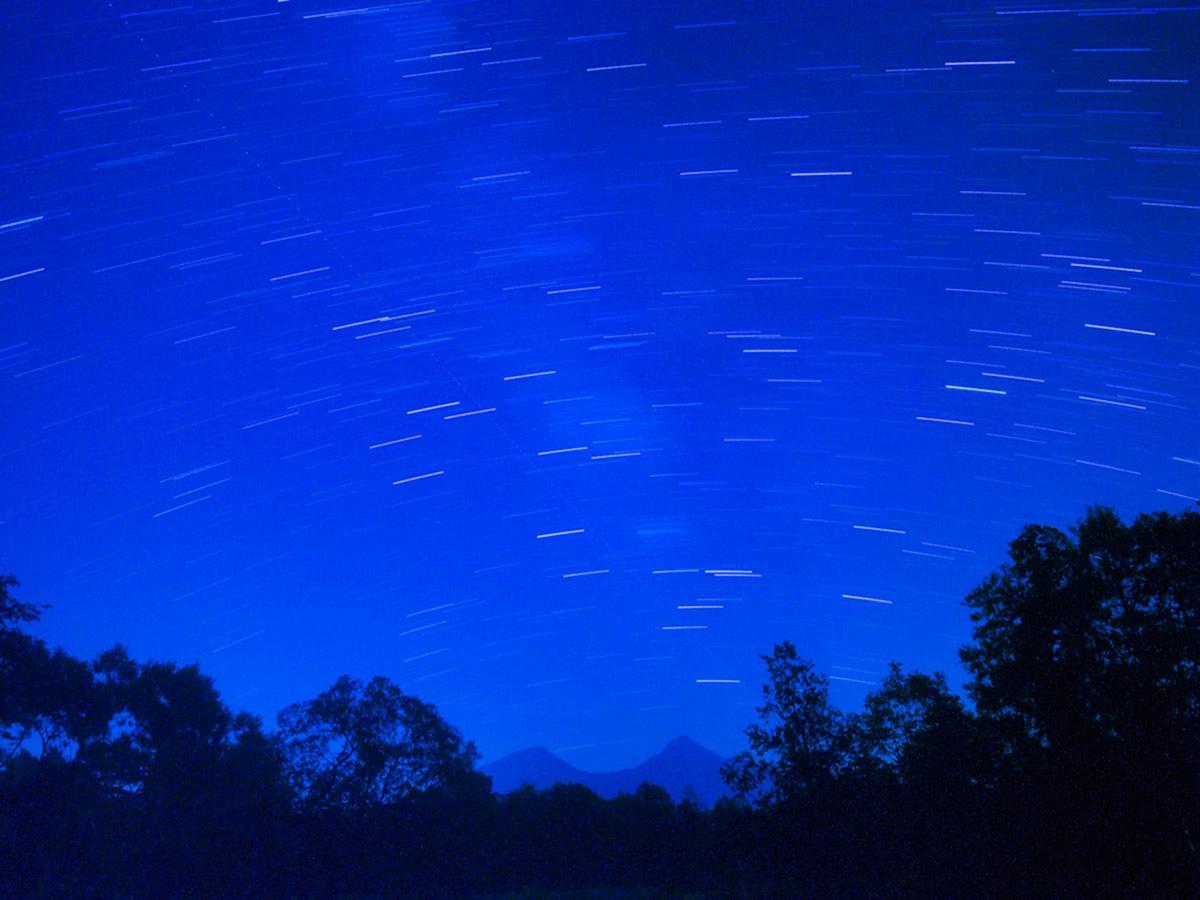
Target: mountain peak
683, 744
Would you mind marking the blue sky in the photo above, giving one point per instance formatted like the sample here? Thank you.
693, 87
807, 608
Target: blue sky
555, 360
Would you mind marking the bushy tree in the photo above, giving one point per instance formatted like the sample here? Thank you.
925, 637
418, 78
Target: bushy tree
355, 746
1095, 636
913, 729
167, 725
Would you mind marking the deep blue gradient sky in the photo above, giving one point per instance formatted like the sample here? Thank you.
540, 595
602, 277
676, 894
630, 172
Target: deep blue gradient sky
555, 359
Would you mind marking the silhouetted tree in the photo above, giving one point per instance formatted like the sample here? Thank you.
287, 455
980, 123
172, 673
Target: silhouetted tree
1087, 659
46, 700
914, 730
166, 724
13, 611
802, 740
184, 776
355, 746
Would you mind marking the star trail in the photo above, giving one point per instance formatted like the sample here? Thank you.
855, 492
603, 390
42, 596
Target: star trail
556, 359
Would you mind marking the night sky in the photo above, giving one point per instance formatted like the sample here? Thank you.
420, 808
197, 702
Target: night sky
556, 359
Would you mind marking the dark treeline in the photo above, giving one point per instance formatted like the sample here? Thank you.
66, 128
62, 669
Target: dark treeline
1071, 767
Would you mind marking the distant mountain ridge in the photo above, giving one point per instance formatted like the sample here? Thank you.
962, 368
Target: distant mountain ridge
682, 763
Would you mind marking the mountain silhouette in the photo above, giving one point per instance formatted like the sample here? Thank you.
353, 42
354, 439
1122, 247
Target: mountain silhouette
682, 763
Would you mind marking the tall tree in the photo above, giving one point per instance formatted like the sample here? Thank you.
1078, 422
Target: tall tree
800, 741
1087, 655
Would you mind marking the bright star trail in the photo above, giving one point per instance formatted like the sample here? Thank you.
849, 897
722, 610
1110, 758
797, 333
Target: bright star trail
556, 359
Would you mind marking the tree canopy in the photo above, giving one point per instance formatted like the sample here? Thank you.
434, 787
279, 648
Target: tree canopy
357, 745
1085, 682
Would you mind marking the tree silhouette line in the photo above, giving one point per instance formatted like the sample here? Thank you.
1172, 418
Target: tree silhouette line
1071, 767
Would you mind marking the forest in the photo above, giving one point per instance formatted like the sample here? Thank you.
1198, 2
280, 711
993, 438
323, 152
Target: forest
1069, 767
